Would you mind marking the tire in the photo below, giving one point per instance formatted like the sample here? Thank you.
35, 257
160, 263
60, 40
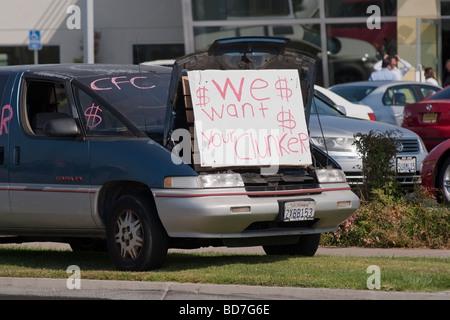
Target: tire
443, 183
136, 239
306, 246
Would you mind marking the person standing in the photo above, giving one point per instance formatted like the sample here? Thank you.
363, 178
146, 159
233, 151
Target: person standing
394, 60
430, 77
446, 78
385, 73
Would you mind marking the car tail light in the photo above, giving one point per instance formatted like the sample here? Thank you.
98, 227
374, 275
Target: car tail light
372, 116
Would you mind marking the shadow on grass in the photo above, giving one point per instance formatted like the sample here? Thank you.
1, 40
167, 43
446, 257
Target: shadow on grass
52, 259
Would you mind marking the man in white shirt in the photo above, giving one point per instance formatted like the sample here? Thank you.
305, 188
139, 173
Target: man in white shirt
399, 72
384, 73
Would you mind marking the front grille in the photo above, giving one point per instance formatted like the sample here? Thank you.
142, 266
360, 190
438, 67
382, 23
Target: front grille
278, 182
405, 181
408, 146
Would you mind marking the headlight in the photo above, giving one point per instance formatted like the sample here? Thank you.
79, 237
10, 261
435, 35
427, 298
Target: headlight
221, 180
330, 175
340, 144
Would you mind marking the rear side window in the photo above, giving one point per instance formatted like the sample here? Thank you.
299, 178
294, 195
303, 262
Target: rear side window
399, 96
428, 91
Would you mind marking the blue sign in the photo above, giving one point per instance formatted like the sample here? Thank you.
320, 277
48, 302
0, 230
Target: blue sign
35, 40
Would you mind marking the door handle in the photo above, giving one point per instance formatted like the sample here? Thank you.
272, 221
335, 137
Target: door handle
16, 155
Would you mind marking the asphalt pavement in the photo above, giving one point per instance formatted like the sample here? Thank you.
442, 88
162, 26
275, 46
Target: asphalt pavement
42, 288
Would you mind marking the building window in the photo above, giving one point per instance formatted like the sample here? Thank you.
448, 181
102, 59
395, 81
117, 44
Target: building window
352, 8
245, 9
22, 55
150, 52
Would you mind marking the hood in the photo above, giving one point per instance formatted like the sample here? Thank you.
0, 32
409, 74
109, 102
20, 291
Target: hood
242, 53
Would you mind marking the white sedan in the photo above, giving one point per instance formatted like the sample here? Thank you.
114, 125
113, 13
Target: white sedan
350, 109
386, 98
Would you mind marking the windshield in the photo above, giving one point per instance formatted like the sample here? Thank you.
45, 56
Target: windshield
141, 98
353, 93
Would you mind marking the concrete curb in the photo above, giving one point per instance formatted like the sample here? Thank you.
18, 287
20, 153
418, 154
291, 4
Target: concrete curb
42, 288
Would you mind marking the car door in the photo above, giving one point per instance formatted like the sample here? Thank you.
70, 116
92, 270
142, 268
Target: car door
394, 100
49, 176
6, 114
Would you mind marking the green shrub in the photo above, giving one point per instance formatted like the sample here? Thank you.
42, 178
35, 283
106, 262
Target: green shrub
387, 216
377, 150
389, 221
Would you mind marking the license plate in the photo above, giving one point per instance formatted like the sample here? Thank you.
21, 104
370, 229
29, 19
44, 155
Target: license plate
429, 117
299, 210
406, 165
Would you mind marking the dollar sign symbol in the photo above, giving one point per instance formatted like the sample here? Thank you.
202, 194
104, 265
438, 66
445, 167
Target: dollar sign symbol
281, 118
202, 97
92, 119
282, 86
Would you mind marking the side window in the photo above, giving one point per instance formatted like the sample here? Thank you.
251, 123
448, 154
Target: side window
399, 96
44, 101
97, 119
427, 91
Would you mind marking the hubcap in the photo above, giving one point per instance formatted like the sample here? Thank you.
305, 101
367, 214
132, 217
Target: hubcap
129, 235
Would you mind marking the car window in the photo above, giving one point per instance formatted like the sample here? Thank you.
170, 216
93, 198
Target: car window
44, 101
441, 95
353, 93
97, 120
399, 96
428, 90
141, 98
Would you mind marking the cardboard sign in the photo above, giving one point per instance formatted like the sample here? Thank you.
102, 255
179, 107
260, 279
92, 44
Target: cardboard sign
249, 117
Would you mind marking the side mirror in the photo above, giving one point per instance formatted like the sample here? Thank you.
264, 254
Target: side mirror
63, 127
341, 109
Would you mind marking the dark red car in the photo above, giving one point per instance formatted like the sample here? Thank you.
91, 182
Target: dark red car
430, 118
435, 172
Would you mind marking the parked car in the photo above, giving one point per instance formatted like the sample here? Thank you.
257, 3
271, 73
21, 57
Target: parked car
90, 154
333, 132
436, 171
386, 98
430, 118
350, 109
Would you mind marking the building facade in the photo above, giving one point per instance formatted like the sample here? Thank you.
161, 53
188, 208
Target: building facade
346, 36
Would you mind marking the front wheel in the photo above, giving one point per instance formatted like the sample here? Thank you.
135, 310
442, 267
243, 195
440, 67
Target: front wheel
443, 183
306, 246
136, 239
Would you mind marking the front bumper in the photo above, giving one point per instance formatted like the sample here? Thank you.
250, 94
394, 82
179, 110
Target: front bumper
231, 213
